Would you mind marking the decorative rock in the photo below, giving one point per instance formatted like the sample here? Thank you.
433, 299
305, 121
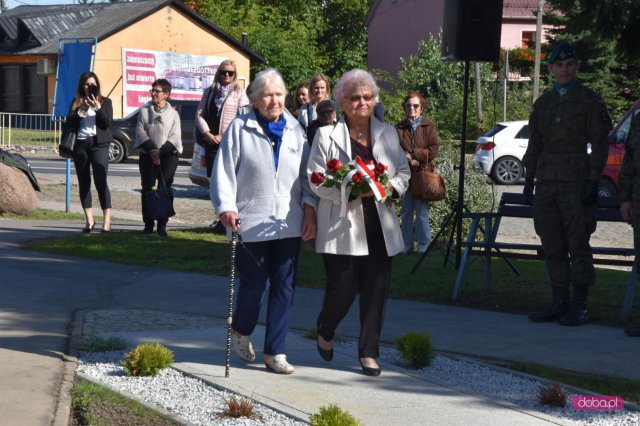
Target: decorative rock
16, 193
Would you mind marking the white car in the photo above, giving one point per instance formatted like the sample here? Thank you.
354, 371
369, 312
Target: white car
499, 152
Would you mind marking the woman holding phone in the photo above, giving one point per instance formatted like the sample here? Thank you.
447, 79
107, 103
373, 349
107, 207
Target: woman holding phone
90, 116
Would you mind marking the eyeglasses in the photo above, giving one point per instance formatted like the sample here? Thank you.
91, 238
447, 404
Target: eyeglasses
414, 106
366, 98
155, 92
228, 73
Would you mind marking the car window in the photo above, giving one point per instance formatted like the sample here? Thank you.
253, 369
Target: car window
623, 130
523, 133
496, 129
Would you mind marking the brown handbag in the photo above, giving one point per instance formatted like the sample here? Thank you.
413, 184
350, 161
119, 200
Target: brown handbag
426, 184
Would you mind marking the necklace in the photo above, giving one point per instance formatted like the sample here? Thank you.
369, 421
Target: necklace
360, 134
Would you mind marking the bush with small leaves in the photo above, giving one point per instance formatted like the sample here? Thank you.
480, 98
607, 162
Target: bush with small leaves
333, 416
240, 407
147, 359
93, 343
415, 349
553, 396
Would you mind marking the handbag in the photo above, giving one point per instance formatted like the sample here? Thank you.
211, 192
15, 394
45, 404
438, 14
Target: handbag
159, 201
426, 184
67, 142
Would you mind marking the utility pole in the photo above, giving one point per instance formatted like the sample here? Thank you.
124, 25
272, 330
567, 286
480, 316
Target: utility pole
536, 65
505, 77
478, 93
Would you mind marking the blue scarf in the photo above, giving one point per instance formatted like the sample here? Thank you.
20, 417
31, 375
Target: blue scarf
274, 131
563, 89
414, 123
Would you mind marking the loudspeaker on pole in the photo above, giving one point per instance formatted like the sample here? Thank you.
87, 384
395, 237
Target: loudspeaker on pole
471, 30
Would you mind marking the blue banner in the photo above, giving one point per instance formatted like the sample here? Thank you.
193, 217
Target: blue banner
74, 60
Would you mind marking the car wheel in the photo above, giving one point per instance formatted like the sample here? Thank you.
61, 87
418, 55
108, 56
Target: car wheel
507, 171
607, 189
116, 152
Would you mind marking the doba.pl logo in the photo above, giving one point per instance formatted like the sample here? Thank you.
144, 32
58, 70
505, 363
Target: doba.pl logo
596, 402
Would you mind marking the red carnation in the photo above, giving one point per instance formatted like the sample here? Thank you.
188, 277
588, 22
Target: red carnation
357, 177
317, 178
334, 165
380, 169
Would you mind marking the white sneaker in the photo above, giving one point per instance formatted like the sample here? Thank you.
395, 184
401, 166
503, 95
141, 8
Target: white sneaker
278, 364
408, 249
243, 347
422, 248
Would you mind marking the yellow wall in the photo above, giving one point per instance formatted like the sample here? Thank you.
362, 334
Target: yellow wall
167, 30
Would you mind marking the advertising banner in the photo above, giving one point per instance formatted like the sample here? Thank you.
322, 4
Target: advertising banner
188, 74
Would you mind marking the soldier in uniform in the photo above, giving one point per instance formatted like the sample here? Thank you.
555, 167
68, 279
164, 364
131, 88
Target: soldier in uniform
629, 182
563, 122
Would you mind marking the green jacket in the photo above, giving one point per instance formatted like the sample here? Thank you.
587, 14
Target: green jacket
561, 128
18, 161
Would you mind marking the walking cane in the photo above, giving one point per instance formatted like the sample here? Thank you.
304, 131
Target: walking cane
232, 279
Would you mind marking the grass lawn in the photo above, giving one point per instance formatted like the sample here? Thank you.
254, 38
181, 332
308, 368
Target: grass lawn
198, 250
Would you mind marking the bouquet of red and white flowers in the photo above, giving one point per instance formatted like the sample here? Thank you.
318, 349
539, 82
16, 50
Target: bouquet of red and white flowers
356, 178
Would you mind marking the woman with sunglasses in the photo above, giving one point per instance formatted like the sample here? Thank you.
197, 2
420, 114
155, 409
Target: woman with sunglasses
357, 243
218, 106
91, 115
159, 142
421, 144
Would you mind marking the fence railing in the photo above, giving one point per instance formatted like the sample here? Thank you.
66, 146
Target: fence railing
21, 131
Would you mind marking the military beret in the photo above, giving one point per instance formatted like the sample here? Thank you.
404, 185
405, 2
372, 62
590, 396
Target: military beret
561, 52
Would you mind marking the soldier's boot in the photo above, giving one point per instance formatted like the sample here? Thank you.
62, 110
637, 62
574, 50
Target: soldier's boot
556, 310
148, 224
578, 314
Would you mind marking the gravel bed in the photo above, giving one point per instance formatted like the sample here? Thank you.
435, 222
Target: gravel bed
189, 398
493, 383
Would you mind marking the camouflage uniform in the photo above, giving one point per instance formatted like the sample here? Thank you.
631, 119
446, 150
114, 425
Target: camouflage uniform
561, 127
629, 177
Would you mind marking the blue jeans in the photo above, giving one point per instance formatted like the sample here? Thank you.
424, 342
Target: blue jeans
273, 278
422, 232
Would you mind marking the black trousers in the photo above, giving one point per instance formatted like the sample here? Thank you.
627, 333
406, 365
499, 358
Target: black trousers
349, 275
149, 175
87, 156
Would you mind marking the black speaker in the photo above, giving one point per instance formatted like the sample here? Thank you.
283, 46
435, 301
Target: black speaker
471, 30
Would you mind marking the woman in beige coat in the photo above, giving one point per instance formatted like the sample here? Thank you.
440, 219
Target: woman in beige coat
357, 248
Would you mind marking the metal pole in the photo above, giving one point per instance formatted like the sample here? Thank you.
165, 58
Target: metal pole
478, 93
68, 186
463, 142
504, 84
536, 64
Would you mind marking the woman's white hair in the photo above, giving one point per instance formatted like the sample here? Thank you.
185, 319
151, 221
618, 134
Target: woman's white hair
264, 77
351, 80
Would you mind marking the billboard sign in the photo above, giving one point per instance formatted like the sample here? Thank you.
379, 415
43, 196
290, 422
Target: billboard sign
188, 74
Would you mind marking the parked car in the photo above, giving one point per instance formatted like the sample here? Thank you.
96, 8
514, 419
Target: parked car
609, 181
197, 172
124, 131
499, 152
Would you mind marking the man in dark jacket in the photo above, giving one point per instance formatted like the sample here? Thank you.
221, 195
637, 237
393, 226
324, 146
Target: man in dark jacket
326, 111
564, 122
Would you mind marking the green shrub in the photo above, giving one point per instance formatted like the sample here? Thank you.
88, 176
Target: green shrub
416, 349
146, 359
333, 416
93, 343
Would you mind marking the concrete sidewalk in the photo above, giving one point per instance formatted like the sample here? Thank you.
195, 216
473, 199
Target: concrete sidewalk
40, 294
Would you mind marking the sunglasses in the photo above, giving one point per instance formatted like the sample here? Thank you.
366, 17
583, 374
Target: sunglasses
366, 98
414, 106
228, 73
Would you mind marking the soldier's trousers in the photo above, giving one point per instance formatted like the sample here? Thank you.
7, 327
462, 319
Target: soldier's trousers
565, 227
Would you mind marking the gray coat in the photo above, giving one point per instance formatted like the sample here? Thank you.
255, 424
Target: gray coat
244, 179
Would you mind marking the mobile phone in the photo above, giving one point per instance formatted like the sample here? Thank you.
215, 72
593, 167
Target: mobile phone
93, 90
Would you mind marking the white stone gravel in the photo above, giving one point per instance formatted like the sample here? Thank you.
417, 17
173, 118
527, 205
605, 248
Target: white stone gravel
189, 398
493, 383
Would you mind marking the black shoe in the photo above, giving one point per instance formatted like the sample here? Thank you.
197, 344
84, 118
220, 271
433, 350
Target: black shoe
326, 354
632, 330
162, 232
577, 315
89, 229
148, 229
551, 313
105, 231
370, 371
218, 228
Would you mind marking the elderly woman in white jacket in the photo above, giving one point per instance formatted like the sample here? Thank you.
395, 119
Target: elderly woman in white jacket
259, 176
358, 247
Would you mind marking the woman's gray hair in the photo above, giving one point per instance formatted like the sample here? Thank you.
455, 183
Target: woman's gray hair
351, 80
264, 77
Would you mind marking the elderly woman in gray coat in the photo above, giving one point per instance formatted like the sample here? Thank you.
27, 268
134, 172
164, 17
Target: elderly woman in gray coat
259, 176
357, 240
